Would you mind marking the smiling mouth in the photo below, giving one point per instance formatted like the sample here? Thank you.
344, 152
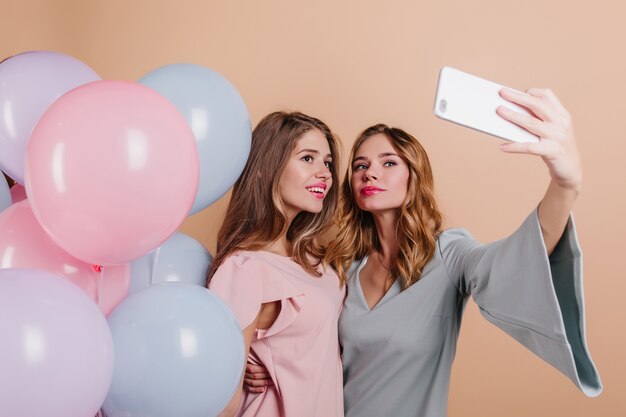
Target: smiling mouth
318, 192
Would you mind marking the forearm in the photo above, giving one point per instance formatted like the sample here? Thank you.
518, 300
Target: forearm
553, 212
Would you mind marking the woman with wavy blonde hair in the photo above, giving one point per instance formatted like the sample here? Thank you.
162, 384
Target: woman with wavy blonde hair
408, 281
418, 223
268, 268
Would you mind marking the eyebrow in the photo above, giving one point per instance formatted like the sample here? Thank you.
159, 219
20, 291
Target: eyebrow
380, 155
316, 152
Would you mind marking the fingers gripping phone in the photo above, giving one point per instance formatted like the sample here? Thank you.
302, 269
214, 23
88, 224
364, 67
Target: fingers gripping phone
471, 101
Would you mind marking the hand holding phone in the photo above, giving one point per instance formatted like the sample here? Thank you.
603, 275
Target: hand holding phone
519, 117
472, 101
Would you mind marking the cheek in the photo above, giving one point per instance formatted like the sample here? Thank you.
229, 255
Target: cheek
289, 176
405, 186
402, 180
285, 188
401, 185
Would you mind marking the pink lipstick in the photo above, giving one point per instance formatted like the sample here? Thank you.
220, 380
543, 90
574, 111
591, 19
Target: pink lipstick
317, 190
370, 190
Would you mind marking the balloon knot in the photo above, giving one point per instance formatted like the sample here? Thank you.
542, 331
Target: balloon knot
96, 268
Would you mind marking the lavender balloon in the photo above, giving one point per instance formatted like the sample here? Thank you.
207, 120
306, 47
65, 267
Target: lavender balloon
56, 348
29, 83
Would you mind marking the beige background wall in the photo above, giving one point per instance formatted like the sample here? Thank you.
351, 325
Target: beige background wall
353, 63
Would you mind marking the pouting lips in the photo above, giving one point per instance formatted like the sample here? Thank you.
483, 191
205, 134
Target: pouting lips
370, 191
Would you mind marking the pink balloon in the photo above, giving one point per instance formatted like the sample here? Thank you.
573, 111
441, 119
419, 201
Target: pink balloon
24, 244
56, 347
18, 193
111, 171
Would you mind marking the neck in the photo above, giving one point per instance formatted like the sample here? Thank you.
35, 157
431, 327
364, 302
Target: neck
279, 246
386, 228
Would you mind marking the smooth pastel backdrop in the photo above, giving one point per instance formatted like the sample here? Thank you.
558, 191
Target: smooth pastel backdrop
354, 63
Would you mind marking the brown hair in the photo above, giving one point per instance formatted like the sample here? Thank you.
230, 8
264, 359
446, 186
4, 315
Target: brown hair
419, 222
253, 218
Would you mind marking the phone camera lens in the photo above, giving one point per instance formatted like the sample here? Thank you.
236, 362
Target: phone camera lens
443, 105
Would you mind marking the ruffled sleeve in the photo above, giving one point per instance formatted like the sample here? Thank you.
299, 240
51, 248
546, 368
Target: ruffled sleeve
536, 299
245, 283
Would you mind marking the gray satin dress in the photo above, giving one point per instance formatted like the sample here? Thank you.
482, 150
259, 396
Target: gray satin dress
397, 356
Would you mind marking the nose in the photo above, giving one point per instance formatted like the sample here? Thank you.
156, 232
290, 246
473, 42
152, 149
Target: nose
371, 174
323, 173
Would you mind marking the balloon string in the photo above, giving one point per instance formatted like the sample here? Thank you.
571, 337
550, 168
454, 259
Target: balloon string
155, 259
100, 271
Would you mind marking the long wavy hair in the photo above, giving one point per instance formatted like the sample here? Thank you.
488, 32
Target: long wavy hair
419, 222
254, 217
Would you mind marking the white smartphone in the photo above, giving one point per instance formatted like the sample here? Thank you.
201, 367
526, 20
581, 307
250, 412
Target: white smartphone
471, 101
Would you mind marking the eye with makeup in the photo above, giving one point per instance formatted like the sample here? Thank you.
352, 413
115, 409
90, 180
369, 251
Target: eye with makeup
310, 158
389, 163
359, 166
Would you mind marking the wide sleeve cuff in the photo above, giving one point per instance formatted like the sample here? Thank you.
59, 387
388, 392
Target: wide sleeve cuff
538, 300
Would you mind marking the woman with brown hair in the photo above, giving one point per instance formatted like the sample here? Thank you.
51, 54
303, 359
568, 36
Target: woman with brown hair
408, 280
268, 268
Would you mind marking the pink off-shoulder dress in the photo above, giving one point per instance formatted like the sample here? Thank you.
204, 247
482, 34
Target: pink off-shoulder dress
301, 349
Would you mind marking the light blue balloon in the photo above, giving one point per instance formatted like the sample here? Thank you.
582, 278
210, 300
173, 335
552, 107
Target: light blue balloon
5, 193
219, 119
180, 259
178, 352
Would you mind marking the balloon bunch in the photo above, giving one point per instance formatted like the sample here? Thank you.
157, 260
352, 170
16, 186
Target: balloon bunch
105, 172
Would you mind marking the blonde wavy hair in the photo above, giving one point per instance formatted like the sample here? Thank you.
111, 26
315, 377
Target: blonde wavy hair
419, 223
254, 217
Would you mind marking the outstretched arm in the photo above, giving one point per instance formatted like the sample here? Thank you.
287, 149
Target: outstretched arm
552, 123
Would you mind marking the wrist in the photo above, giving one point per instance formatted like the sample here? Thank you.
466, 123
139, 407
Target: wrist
566, 190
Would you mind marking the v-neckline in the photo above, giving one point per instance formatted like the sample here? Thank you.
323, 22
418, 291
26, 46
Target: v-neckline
388, 294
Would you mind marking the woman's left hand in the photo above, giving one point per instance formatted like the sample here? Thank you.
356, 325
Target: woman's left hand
552, 123
256, 379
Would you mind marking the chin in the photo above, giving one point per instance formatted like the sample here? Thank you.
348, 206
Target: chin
374, 207
364, 207
313, 209
367, 204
